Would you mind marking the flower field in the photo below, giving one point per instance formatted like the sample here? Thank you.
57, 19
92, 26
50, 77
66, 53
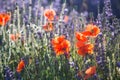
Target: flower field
48, 40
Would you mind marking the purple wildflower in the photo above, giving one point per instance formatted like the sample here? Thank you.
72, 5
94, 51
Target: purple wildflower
8, 74
118, 64
108, 10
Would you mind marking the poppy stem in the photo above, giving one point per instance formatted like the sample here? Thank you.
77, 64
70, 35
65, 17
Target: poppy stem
4, 30
18, 19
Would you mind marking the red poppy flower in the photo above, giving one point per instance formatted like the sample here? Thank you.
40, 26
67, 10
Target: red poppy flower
80, 44
48, 27
58, 40
14, 37
66, 18
60, 45
20, 66
4, 18
80, 37
84, 49
90, 72
49, 14
91, 30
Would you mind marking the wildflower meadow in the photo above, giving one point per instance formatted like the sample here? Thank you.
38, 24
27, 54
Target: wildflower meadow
50, 40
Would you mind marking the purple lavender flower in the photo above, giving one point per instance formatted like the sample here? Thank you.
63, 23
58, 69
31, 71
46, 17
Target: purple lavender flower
37, 61
95, 77
8, 74
71, 63
100, 56
118, 64
108, 10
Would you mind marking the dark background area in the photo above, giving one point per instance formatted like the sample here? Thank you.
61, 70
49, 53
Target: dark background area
92, 6
116, 7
